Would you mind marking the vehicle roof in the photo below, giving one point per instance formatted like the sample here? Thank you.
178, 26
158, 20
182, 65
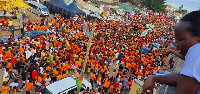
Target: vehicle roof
61, 85
37, 4
67, 83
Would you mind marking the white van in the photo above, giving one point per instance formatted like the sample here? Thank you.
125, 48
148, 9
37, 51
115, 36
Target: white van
64, 86
38, 8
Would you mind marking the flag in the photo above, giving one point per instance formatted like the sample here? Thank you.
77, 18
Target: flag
79, 83
79, 80
75, 18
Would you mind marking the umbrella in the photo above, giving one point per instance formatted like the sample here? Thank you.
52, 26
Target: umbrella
156, 45
144, 50
166, 37
106, 9
159, 40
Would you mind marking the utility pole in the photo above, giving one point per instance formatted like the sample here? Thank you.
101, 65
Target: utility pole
87, 52
88, 49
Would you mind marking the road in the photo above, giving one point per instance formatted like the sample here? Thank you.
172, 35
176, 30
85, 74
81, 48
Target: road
18, 24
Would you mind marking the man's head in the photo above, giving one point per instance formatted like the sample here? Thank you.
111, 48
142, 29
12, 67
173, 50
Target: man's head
187, 32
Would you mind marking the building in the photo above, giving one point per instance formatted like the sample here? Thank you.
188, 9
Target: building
170, 8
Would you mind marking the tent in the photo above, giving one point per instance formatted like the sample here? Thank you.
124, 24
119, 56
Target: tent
107, 9
20, 4
5, 2
60, 7
127, 8
68, 1
113, 7
74, 9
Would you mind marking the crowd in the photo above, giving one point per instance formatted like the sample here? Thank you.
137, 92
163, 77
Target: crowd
115, 56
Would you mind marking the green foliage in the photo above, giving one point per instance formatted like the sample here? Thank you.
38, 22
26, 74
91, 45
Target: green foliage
155, 5
181, 10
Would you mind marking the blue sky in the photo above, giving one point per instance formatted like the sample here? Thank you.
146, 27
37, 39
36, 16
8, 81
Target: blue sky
190, 5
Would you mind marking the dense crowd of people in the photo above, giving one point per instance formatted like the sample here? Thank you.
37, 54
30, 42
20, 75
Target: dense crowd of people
116, 55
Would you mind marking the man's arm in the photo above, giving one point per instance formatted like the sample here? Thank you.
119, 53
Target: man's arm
168, 79
187, 85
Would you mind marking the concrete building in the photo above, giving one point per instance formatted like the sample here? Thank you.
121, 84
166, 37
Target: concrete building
170, 8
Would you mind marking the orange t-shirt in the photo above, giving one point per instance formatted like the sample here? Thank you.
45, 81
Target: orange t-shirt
10, 66
92, 76
29, 86
106, 84
4, 58
44, 76
38, 79
99, 78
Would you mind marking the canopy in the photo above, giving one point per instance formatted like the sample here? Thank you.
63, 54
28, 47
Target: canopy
127, 8
113, 7
4, 0
106, 8
71, 8
68, 1
20, 4
74, 9
58, 3
60, 7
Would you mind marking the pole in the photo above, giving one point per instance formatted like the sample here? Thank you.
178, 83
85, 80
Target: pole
88, 49
87, 52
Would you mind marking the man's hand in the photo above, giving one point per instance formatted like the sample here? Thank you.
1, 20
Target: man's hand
148, 85
174, 51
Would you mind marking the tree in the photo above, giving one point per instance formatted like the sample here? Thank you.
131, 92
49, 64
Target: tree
134, 2
181, 10
154, 5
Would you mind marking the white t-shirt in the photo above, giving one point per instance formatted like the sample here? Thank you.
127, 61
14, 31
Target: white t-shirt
28, 54
192, 62
14, 84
